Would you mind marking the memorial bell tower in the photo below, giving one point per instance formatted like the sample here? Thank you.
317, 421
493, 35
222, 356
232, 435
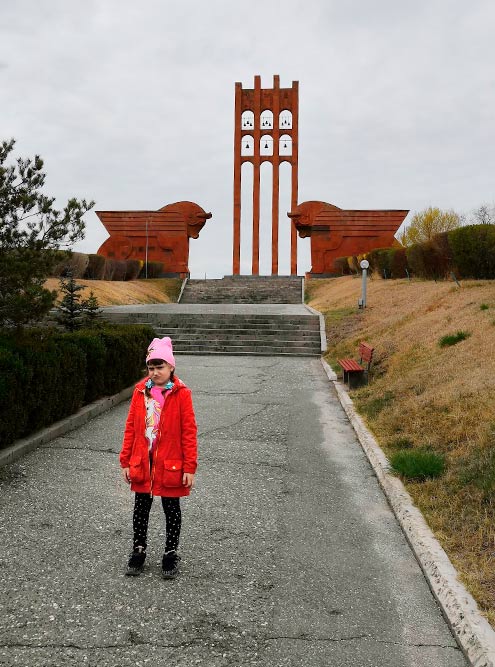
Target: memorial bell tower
266, 130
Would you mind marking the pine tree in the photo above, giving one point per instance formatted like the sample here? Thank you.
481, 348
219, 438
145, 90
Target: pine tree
92, 310
32, 232
70, 310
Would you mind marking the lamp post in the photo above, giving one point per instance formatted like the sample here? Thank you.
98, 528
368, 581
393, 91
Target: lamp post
146, 251
364, 264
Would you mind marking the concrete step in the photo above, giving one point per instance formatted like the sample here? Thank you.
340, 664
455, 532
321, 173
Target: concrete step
237, 281
231, 327
222, 284
268, 350
232, 333
247, 353
244, 289
246, 341
237, 334
220, 322
239, 300
205, 287
258, 318
264, 326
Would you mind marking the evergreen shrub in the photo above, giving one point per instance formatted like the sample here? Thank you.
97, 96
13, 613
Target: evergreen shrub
125, 354
96, 267
380, 260
53, 380
473, 251
341, 266
74, 263
46, 375
426, 260
109, 268
133, 269
444, 256
372, 259
62, 261
353, 264
385, 262
384, 258
155, 270
120, 269
11, 396
468, 252
92, 345
398, 263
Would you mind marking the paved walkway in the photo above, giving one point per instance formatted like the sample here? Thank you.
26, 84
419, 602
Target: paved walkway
291, 555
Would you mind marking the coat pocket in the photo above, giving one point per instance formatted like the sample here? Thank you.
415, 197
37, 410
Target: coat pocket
172, 472
136, 469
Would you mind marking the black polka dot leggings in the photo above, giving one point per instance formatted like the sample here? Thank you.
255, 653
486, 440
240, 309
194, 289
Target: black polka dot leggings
171, 508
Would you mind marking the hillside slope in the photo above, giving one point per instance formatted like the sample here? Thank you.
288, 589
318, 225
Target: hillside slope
423, 395
118, 293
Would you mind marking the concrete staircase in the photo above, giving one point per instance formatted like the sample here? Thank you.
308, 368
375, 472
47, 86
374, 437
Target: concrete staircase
244, 289
232, 333
258, 315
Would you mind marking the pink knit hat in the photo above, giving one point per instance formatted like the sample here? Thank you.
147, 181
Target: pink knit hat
161, 348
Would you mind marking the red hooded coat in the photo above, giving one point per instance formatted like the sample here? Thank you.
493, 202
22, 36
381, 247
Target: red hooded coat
175, 448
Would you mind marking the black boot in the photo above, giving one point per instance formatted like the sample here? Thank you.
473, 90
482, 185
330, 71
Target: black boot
135, 564
170, 564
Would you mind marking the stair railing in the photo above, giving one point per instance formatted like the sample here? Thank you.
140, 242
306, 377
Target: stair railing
184, 283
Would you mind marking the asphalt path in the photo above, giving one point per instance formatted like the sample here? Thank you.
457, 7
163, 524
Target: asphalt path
291, 555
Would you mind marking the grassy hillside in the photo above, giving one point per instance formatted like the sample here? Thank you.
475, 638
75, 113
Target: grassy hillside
424, 395
116, 293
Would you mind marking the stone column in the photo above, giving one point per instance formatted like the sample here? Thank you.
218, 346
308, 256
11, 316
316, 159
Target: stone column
294, 174
275, 172
236, 263
256, 177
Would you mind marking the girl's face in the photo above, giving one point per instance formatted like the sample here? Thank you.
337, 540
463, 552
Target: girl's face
159, 371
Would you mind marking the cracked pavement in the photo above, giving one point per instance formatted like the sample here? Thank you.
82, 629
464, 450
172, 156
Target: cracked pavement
291, 554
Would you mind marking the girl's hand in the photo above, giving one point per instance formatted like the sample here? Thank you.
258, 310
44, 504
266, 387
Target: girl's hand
125, 475
188, 479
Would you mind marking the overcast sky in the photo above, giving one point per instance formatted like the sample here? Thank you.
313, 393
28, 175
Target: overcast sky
132, 104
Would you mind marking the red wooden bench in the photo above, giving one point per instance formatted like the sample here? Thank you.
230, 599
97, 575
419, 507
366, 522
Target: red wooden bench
353, 372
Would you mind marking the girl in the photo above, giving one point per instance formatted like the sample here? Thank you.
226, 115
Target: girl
159, 453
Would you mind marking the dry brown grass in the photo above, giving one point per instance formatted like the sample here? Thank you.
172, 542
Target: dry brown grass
442, 398
116, 293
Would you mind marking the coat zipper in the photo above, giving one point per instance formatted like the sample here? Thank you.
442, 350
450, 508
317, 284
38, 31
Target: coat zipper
153, 467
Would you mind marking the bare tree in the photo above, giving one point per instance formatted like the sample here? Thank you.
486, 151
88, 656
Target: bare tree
484, 215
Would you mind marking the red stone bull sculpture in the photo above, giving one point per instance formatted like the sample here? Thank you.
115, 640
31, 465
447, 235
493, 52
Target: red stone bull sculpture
154, 236
338, 233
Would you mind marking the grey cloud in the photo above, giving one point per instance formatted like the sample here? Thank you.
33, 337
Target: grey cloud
133, 105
